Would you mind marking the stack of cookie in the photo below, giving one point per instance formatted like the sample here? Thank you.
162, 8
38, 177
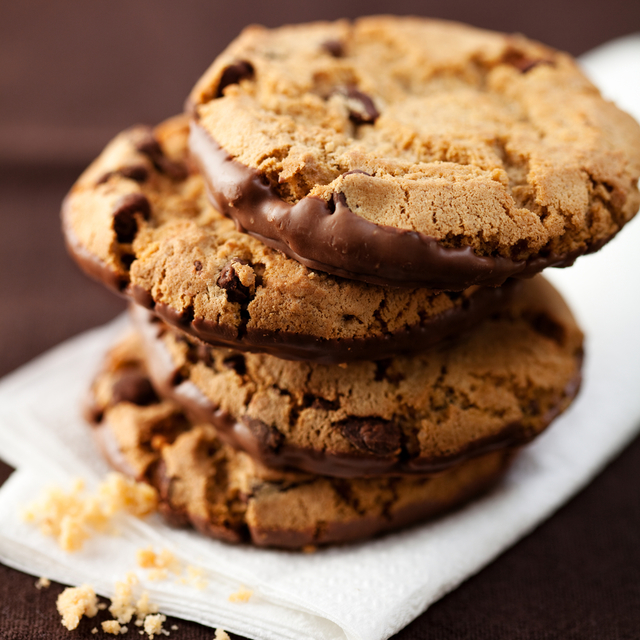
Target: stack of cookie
325, 259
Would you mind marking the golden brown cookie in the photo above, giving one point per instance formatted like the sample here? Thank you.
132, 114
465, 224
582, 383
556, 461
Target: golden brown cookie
227, 495
409, 151
138, 220
496, 387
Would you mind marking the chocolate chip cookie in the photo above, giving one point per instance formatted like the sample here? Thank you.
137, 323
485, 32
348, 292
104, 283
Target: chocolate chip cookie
409, 151
227, 495
496, 387
139, 221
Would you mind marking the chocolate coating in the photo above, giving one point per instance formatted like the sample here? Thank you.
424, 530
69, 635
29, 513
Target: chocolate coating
343, 243
132, 386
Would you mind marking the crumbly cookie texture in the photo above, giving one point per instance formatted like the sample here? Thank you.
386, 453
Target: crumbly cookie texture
73, 517
501, 384
471, 137
74, 603
226, 494
153, 235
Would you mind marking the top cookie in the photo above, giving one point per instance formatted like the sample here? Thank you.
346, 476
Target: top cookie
408, 151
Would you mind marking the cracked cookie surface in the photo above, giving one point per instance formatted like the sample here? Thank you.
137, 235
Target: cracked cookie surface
138, 219
227, 495
407, 150
498, 386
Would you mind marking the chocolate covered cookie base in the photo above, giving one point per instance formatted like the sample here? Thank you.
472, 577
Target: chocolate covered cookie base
329, 237
227, 495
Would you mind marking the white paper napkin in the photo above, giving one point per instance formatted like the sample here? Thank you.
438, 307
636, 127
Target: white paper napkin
366, 591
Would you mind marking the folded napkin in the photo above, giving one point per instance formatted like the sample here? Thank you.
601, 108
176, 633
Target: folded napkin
365, 591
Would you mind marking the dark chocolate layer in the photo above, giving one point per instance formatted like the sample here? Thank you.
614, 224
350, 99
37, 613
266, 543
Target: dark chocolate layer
251, 435
335, 240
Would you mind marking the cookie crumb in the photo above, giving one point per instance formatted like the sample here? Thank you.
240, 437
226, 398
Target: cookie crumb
241, 595
71, 516
75, 602
43, 583
94, 630
158, 564
153, 624
309, 548
122, 607
144, 608
195, 578
221, 634
174, 627
111, 626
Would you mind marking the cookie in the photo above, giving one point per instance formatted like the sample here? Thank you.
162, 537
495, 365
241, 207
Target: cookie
496, 387
227, 495
139, 221
408, 151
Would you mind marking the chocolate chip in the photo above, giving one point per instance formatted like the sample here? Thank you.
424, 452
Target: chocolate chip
134, 387
127, 260
335, 199
360, 105
230, 282
548, 327
192, 350
177, 378
381, 369
205, 355
125, 223
372, 435
197, 265
522, 61
269, 438
94, 414
237, 363
233, 74
344, 489
334, 48
150, 147
137, 173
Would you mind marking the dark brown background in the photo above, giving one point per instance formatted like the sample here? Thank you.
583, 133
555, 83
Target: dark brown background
74, 73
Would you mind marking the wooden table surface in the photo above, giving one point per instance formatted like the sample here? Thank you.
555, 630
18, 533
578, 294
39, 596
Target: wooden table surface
70, 77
